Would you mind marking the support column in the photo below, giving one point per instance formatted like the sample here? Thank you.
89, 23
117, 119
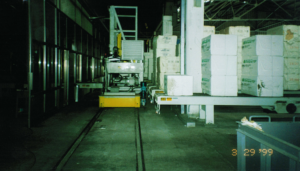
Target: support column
29, 63
202, 112
111, 28
194, 33
209, 114
182, 42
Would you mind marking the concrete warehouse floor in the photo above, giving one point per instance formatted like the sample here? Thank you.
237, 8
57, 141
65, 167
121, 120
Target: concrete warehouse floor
110, 145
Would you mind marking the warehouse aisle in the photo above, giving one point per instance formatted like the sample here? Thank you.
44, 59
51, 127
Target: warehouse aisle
111, 143
167, 143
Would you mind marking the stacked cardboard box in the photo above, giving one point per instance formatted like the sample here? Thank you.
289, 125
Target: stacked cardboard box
147, 56
167, 28
262, 69
241, 32
167, 66
219, 65
291, 54
163, 46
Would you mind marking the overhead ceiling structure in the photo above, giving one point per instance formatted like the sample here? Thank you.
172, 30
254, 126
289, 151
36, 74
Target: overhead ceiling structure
258, 14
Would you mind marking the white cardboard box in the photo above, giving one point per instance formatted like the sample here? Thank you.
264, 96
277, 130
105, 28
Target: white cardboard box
166, 40
243, 31
262, 65
165, 52
291, 65
167, 28
291, 81
161, 79
262, 85
208, 30
219, 45
219, 85
168, 64
289, 31
263, 45
219, 65
178, 85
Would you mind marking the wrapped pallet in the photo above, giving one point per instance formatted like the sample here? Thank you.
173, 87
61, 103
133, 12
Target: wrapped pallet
291, 54
219, 65
262, 68
241, 32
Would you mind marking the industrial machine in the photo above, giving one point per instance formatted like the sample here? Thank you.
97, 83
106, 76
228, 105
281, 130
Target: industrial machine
124, 68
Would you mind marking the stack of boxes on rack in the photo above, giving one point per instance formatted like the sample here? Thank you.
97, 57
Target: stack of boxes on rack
241, 32
219, 65
262, 69
147, 56
164, 49
291, 54
167, 66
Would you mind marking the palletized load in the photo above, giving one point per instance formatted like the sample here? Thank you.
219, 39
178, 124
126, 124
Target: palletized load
168, 64
219, 65
178, 85
241, 32
163, 46
291, 39
216, 85
263, 45
262, 65
262, 85
219, 45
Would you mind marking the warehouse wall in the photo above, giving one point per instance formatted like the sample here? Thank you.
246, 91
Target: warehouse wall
49, 46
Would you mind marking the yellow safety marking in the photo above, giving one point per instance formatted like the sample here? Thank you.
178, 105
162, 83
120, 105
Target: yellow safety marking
169, 99
108, 101
163, 99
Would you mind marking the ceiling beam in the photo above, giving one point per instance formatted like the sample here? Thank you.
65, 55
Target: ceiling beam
224, 5
255, 19
283, 9
256, 5
270, 14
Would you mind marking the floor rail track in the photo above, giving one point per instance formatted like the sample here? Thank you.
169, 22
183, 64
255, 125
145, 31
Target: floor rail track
61, 163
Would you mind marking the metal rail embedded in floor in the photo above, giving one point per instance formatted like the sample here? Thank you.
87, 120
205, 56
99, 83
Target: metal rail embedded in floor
140, 164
